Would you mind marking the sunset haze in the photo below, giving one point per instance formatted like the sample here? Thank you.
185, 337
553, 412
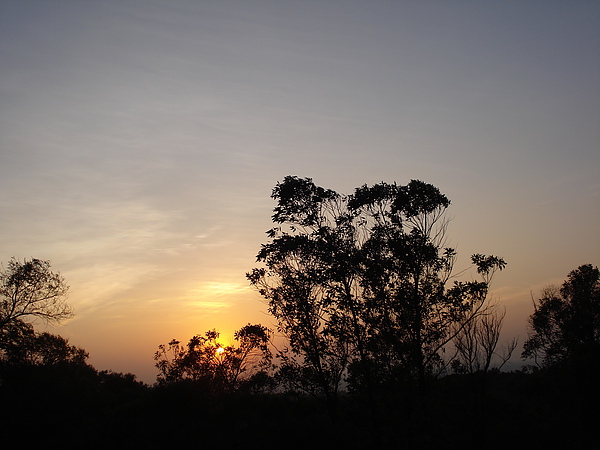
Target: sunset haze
140, 142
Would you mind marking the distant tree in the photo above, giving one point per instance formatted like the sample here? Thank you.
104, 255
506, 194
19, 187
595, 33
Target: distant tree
359, 283
247, 363
15, 340
122, 385
476, 343
565, 324
28, 358
29, 290
220, 368
27, 347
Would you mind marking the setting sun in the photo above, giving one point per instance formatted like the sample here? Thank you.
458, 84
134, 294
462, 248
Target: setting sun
220, 350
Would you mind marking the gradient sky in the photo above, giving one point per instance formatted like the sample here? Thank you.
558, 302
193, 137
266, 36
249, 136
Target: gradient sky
140, 141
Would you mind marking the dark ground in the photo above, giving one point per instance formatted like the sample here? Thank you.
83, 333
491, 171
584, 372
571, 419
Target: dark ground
71, 409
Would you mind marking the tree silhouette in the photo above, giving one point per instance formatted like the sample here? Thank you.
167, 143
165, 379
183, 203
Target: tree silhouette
477, 342
30, 290
26, 347
358, 284
295, 284
565, 324
219, 368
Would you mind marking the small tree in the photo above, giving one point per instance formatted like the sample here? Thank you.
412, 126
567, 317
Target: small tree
476, 343
220, 368
565, 324
29, 290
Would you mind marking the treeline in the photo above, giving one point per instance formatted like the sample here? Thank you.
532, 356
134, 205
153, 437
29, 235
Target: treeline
385, 345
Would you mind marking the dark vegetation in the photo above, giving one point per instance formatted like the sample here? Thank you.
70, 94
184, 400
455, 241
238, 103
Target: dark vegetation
385, 347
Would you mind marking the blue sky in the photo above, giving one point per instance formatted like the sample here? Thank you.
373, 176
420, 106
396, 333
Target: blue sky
140, 141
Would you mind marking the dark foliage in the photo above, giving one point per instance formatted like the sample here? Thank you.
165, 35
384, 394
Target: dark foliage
75, 407
360, 286
204, 361
565, 326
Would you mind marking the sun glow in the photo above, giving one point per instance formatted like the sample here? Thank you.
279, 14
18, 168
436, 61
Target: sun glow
222, 288
220, 351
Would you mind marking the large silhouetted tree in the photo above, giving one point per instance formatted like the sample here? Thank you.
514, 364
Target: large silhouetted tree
565, 324
359, 283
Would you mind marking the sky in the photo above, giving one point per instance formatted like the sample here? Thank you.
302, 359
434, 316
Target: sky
140, 141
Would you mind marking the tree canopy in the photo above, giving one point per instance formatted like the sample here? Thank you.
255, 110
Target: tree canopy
360, 284
565, 324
